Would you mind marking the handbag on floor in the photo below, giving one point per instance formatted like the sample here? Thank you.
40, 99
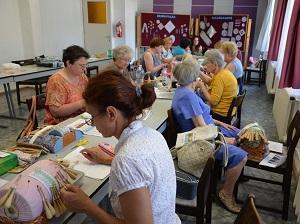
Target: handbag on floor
30, 122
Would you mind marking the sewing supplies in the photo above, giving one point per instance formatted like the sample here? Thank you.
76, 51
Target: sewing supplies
35, 191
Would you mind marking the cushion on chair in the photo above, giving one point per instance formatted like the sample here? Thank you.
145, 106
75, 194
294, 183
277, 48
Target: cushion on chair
253, 69
191, 203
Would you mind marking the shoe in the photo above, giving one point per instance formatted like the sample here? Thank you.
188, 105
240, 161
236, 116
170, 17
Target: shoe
228, 203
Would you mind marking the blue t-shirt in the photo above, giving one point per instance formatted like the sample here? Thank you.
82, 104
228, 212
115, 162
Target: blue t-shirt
186, 104
178, 51
238, 73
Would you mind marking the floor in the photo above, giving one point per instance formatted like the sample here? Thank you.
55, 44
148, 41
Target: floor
256, 107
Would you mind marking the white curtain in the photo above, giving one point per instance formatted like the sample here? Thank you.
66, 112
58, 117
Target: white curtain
264, 35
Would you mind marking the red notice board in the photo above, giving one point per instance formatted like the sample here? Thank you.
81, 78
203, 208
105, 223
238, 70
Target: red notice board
163, 25
213, 28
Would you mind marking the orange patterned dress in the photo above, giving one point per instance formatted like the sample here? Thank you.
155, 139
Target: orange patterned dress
60, 92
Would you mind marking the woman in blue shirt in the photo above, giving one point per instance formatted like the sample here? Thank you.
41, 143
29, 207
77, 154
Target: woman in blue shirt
190, 112
230, 51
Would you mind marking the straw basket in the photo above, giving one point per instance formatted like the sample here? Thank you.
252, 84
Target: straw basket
254, 153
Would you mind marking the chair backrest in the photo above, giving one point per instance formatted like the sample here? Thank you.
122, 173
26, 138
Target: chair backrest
293, 135
39, 105
204, 190
173, 128
236, 106
248, 214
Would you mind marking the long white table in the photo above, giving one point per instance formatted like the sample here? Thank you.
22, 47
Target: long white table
97, 189
33, 71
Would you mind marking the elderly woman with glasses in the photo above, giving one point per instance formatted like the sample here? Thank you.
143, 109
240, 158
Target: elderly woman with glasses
65, 87
190, 111
222, 88
121, 58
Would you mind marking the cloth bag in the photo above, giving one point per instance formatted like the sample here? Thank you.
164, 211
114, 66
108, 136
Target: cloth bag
193, 156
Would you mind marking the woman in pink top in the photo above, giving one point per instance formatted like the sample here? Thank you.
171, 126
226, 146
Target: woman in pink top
64, 88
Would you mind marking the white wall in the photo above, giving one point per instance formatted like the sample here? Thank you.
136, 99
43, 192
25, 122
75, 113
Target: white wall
11, 45
61, 25
33, 27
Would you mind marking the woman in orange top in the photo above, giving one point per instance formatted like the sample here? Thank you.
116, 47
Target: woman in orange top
64, 88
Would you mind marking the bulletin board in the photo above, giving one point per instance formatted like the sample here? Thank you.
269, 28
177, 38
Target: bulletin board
213, 28
162, 25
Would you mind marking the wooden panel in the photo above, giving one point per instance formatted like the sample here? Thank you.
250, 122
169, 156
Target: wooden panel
97, 12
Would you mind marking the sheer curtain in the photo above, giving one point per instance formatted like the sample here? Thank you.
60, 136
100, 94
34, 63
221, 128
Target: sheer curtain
264, 35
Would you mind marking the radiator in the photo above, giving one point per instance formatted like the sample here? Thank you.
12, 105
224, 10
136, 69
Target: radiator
286, 103
271, 77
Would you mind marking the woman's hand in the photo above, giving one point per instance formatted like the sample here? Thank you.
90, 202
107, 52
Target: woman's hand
96, 155
224, 125
75, 199
231, 141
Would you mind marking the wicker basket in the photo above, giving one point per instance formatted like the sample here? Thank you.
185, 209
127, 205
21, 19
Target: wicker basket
39, 220
257, 153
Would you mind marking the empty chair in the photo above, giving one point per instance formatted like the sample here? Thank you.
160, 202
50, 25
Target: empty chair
201, 206
248, 214
261, 70
285, 170
91, 68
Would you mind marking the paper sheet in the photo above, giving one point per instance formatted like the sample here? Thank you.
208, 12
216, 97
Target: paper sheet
90, 169
275, 147
273, 160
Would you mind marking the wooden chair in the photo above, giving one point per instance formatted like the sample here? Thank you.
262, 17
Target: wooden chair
235, 109
40, 104
91, 68
248, 214
37, 83
285, 170
201, 206
173, 129
261, 70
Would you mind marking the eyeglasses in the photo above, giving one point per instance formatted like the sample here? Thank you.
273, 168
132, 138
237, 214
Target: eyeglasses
91, 121
83, 66
126, 59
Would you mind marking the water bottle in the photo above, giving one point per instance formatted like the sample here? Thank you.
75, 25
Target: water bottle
164, 75
139, 74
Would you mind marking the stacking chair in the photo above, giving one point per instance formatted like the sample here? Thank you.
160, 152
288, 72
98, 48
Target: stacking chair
173, 129
201, 206
285, 170
235, 110
36, 82
248, 214
261, 70
91, 68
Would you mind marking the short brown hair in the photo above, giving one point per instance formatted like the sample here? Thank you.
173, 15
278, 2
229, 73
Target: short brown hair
156, 42
111, 88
